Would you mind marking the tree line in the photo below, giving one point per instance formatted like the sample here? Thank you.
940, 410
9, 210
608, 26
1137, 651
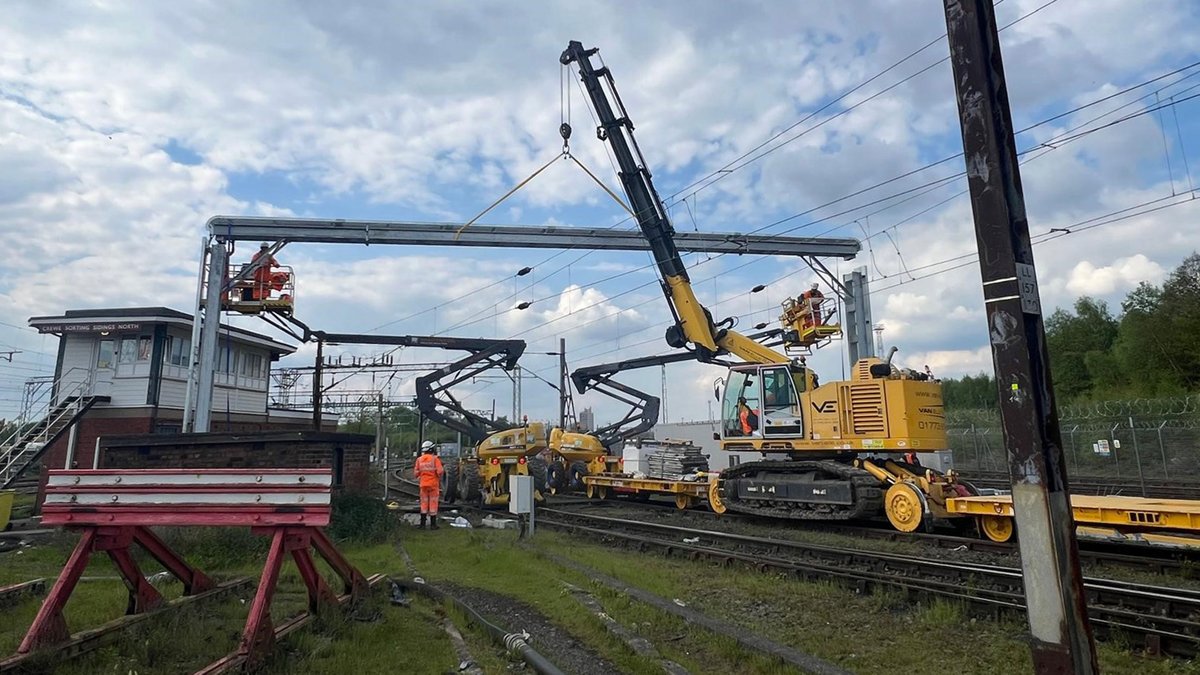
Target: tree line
1150, 348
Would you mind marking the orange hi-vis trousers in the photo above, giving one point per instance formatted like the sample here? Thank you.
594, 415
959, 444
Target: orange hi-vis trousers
429, 499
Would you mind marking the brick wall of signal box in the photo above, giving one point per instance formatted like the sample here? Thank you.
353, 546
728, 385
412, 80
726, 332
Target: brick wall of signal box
348, 455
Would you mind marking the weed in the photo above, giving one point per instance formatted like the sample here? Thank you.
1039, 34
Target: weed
942, 614
362, 519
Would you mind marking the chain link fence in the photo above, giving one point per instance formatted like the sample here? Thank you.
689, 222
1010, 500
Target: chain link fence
1134, 440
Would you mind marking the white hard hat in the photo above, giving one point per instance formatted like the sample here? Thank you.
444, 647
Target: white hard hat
426, 445
264, 245
816, 286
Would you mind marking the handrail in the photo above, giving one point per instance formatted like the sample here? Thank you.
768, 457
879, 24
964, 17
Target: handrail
41, 424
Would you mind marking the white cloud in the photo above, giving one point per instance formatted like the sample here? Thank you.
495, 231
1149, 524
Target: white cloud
1124, 274
379, 111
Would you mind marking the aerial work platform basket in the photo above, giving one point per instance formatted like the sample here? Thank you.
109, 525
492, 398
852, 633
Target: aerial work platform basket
806, 321
255, 290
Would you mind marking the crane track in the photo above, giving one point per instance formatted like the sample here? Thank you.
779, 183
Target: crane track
1165, 619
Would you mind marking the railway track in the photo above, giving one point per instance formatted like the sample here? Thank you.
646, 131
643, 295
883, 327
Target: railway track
1164, 619
1138, 557
1144, 558
1159, 488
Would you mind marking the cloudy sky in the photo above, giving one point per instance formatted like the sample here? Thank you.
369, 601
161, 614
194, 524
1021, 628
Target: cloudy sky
125, 125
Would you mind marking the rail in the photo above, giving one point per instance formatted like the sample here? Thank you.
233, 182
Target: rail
1163, 617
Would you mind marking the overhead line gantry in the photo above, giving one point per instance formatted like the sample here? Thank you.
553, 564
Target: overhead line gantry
224, 231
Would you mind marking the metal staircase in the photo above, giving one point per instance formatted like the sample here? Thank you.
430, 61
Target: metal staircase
43, 424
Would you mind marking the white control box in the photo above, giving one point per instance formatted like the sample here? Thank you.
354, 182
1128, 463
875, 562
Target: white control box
520, 494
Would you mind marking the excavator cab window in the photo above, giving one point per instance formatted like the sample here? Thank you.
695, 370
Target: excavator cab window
742, 394
778, 390
781, 401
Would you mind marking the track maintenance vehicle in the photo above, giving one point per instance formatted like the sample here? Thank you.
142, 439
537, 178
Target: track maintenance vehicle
832, 434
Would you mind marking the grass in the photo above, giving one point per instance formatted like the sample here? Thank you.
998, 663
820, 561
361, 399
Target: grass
860, 633
884, 632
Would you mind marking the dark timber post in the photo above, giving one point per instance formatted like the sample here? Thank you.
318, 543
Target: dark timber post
563, 392
1062, 637
317, 384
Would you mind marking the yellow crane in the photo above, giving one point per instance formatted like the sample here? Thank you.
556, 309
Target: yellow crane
834, 437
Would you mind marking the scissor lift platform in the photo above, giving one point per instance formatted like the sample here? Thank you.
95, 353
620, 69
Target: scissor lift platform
1120, 513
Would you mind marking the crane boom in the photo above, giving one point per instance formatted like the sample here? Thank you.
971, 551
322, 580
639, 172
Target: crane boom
693, 322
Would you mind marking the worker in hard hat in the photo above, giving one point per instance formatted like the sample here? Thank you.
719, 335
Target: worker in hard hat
810, 306
265, 279
428, 471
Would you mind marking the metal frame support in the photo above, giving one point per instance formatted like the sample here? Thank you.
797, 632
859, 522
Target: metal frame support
308, 230
205, 365
1061, 635
194, 346
858, 325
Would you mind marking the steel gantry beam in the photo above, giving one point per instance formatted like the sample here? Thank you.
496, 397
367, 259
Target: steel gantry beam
305, 230
224, 230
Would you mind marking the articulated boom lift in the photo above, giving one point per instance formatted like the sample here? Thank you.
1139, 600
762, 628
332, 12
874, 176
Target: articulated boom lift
773, 403
584, 453
499, 451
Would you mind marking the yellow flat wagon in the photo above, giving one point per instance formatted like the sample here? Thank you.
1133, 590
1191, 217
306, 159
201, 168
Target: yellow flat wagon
687, 493
1123, 514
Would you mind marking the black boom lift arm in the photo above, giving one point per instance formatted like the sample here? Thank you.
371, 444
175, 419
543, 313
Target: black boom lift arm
643, 407
434, 399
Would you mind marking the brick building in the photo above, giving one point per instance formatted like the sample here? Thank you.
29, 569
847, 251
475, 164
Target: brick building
134, 362
348, 455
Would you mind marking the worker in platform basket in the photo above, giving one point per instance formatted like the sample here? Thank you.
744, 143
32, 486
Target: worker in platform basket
266, 279
810, 306
428, 471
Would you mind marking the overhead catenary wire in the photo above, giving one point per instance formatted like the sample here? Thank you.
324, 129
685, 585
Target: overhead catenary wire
1046, 146
566, 97
949, 178
1043, 147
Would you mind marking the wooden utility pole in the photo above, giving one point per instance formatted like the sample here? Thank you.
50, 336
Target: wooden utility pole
1054, 595
563, 384
318, 384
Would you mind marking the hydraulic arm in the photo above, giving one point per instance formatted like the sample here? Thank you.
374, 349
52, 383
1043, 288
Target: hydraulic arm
434, 398
643, 412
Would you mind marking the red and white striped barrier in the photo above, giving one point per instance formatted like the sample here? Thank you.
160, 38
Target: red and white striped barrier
114, 509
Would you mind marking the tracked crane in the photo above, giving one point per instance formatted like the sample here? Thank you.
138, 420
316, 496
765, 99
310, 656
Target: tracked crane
835, 436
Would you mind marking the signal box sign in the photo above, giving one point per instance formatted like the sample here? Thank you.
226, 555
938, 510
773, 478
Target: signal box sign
87, 327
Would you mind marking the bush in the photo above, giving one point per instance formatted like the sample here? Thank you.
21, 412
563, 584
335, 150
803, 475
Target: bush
361, 518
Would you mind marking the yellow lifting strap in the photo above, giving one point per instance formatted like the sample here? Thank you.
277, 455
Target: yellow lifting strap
566, 154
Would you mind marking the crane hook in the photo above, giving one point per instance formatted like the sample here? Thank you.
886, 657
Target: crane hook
564, 130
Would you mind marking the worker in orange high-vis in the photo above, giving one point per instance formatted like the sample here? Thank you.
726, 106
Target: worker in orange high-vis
428, 471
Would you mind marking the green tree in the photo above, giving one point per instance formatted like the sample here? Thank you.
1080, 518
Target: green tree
1078, 341
1158, 347
969, 392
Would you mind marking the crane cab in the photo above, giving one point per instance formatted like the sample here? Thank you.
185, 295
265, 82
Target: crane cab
764, 401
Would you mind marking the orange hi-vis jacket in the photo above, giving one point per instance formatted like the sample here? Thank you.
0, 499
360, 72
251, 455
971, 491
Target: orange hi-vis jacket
428, 470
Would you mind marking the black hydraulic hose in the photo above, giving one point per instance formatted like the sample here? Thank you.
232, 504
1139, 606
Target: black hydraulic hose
513, 642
